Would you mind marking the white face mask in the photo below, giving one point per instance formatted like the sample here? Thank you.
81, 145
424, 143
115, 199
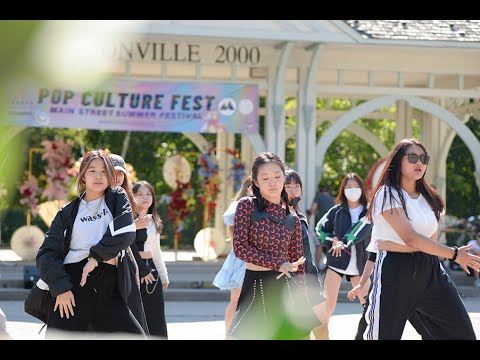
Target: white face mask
353, 194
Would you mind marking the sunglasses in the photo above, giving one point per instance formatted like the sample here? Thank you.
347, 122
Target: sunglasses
413, 158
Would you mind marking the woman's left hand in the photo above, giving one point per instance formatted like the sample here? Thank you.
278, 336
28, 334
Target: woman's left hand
165, 285
87, 269
337, 247
288, 267
142, 220
464, 259
148, 279
352, 294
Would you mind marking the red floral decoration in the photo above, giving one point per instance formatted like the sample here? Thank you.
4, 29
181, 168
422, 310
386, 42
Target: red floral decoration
59, 160
180, 202
29, 191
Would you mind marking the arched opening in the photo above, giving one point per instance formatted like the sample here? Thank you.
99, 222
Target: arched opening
447, 117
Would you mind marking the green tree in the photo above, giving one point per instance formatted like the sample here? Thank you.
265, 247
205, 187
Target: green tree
463, 198
348, 153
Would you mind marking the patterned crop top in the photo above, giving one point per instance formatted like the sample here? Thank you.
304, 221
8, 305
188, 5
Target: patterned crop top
265, 242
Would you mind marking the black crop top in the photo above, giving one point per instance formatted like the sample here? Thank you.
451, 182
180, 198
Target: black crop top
140, 239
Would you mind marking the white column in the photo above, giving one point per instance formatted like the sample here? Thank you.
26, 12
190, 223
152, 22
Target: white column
434, 135
275, 125
404, 121
305, 155
269, 116
301, 134
225, 195
247, 154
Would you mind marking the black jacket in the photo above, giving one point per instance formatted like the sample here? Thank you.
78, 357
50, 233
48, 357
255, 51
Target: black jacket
310, 267
119, 236
337, 222
312, 282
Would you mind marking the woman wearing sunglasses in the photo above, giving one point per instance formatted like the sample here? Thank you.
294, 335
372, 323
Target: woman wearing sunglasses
408, 276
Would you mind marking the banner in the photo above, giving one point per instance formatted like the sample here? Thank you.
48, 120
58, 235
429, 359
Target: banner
140, 106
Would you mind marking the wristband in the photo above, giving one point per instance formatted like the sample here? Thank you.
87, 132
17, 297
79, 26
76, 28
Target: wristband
455, 254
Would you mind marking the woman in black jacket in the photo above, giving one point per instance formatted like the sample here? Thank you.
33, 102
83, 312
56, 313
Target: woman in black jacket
77, 260
345, 232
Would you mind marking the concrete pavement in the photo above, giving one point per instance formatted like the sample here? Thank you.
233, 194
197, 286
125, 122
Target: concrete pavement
204, 321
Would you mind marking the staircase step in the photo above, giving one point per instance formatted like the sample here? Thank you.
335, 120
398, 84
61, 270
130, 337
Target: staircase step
189, 281
12, 273
205, 294
196, 295
13, 294
185, 284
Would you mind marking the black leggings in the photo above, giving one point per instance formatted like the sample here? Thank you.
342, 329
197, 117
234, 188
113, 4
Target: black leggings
99, 306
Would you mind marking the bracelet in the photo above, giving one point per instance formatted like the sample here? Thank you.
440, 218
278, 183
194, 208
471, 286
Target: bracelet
455, 248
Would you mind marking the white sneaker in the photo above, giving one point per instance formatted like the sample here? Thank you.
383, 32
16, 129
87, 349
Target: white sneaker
476, 283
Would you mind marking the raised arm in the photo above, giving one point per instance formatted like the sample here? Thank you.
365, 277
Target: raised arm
359, 232
324, 228
154, 240
399, 222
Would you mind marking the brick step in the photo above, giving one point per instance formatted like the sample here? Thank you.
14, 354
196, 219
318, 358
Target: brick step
189, 281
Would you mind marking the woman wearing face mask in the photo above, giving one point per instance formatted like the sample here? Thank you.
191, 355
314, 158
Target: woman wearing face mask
345, 231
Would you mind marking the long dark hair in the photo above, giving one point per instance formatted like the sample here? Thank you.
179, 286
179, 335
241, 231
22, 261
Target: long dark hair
262, 159
128, 189
247, 181
392, 175
342, 199
153, 208
292, 175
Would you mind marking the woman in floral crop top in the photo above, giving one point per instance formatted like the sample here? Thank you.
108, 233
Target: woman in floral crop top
268, 238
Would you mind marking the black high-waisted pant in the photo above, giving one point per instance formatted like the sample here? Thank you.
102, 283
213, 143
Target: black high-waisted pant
99, 306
